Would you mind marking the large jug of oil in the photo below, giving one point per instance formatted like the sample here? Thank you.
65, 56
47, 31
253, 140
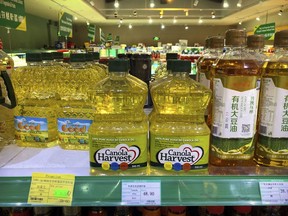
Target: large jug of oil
75, 113
35, 113
272, 145
179, 135
215, 49
118, 134
236, 85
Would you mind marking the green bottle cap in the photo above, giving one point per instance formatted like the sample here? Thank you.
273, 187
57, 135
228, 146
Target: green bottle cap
77, 57
179, 66
118, 65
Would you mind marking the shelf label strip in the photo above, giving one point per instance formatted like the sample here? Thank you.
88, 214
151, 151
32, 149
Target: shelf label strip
144, 193
51, 189
274, 192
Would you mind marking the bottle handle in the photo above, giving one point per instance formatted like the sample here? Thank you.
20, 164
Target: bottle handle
10, 91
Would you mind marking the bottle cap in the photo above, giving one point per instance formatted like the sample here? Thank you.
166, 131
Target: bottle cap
235, 37
243, 209
216, 42
171, 56
89, 57
255, 41
217, 210
33, 57
77, 57
207, 43
118, 65
179, 65
177, 209
281, 39
57, 55
47, 56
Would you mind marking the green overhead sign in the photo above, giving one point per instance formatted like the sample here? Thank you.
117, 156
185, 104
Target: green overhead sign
65, 24
102, 36
12, 14
267, 30
91, 32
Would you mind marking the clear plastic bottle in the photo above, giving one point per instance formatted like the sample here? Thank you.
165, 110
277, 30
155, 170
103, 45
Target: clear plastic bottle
75, 113
179, 136
6, 109
215, 49
272, 147
236, 85
35, 114
118, 135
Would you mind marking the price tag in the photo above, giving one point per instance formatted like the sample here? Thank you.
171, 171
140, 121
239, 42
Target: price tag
274, 192
143, 193
52, 189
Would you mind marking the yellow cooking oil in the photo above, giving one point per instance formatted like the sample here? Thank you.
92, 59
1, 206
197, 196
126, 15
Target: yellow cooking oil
118, 134
272, 148
35, 113
179, 135
75, 113
236, 85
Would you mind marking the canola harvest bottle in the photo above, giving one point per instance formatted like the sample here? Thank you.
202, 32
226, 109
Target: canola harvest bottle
236, 87
179, 136
75, 113
272, 144
215, 46
35, 113
7, 100
118, 134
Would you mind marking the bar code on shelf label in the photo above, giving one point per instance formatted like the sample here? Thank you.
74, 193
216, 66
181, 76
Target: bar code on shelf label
141, 192
274, 192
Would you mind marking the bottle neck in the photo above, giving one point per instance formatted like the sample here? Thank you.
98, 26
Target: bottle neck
117, 75
180, 74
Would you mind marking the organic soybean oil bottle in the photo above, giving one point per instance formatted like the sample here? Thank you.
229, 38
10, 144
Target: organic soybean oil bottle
272, 145
236, 86
35, 114
179, 135
255, 46
215, 46
75, 113
118, 134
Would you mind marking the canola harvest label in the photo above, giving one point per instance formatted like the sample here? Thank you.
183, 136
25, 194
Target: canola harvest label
31, 129
235, 112
73, 131
118, 153
179, 153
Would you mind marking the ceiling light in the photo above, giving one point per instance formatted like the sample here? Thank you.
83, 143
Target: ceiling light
130, 26
121, 20
116, 4
195, 3
225, 4
200, 20
75, 18
258, 18
92, 3
280, 12
150, 20
213, 15
119, 25
87, 22
239, 4
240, 23
174, 20
162, 26
134, 13
152, 4
186, 27
186, 13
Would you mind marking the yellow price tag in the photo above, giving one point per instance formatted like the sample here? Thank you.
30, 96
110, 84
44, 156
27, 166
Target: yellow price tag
52, 189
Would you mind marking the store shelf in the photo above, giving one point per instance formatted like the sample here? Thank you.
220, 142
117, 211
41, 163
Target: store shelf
17, 165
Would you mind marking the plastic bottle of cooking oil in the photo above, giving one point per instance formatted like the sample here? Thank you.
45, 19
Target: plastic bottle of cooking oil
255, 45
272, 147
179, 136
236, 87
215, 46
7, 100
118, 134
35, 113
75, 113
204, 52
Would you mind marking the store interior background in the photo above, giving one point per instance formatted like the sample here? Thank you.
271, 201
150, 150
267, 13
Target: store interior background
42, 31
